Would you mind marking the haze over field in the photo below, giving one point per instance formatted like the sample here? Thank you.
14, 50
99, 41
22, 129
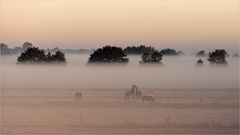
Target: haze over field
185, 80
189, 99
177, 72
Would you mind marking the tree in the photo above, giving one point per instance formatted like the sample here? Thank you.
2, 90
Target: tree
4, 49
218, 57
201, 53
156, 56
32, 55
168, 51
36, 55
3, 46
200, 62
26, 45
58, 57
108, 54
146, 57
151, 57
138, 50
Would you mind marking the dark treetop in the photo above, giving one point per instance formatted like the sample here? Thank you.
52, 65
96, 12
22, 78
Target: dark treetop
200, 62
218, 57
170, 52
138, 50
201, 53
16, 50
36, 55
153, 57
108, 54
5, 50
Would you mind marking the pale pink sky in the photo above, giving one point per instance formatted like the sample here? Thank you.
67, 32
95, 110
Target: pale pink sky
93, 23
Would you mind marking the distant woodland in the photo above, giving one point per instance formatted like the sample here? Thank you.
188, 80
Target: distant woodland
108, 54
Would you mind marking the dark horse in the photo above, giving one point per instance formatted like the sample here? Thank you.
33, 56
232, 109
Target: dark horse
133, 93
149, 99
78, 96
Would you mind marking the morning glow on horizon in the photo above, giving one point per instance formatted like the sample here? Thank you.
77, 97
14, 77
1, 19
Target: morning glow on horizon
89, 24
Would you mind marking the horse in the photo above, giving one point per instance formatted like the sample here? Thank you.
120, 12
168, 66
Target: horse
133, 93
78, 96
138, 94
150, 99
128, 94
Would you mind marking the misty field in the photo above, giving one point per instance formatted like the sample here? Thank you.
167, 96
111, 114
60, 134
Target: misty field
105, 111
39, 99
119, 67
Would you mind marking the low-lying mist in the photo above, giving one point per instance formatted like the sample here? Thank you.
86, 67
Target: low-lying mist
176, 72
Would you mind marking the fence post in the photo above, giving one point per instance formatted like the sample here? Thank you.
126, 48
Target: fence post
210, 124
81, 121
168, 121
30, 128
126, 121
201, 101
34, 125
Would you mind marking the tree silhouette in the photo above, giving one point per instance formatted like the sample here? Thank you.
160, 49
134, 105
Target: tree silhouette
138, 49
58, 57
151, 57
156, 56
4, 49
36, 55
108, 54
200, 62
3, 46
169, 51
27, 45
218, 57
32, 55
201, 53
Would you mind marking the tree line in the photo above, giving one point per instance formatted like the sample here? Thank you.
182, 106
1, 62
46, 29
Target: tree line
113, 54
5, 50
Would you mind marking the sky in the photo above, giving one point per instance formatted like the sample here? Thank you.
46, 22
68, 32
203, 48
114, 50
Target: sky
94, 23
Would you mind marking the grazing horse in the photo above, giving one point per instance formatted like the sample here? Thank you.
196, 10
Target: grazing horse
150, 99
78, 96
133, 93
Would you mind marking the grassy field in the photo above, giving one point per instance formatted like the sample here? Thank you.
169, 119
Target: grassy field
106, 112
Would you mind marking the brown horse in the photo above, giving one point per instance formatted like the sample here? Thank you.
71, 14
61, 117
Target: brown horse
149, 99
78, 96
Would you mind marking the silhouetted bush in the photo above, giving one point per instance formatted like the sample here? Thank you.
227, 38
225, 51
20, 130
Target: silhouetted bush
169, 52
108, 54
36, 55
151, 57
218, 57
199, 62
201, 53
